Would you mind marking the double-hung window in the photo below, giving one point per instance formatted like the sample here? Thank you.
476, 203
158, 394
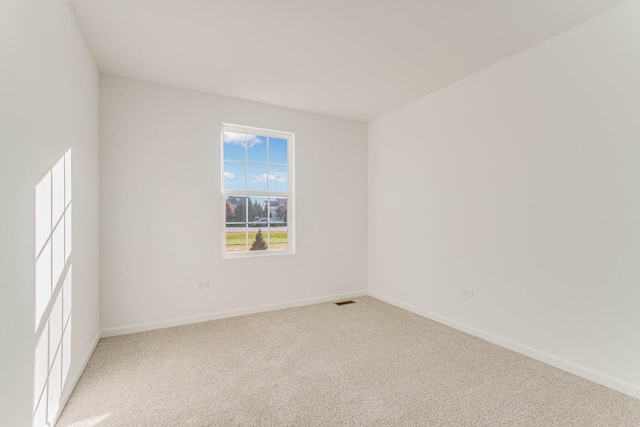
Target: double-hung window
257, 191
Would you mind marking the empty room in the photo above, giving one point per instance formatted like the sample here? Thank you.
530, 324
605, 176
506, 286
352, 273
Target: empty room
320, 213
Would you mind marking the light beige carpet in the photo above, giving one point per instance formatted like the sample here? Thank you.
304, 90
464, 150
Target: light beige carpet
364, 364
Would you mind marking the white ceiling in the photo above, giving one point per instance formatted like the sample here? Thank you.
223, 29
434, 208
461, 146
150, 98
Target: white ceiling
355, 59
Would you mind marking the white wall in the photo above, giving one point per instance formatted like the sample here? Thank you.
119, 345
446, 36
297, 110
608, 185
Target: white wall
160, 208
48, 104
522, 182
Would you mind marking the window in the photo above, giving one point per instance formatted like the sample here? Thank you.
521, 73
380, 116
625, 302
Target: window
257, 191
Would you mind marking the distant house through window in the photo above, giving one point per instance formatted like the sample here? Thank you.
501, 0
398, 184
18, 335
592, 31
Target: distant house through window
257, 191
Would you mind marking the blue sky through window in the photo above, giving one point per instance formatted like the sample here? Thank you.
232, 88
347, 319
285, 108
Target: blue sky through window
258, 176
278, 178
249, 162
234, 176
257, 148
278, 151
234, 146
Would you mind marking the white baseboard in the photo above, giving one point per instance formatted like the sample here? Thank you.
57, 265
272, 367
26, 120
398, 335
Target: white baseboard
573, 368
143, 327
71, 385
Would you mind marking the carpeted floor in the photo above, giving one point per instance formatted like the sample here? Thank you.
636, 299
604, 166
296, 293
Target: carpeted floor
364, 364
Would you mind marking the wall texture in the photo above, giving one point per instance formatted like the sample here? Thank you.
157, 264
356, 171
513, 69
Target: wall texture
48, 104
161, 209
521, 182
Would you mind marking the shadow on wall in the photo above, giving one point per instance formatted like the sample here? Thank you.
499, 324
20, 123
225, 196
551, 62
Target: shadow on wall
52, 290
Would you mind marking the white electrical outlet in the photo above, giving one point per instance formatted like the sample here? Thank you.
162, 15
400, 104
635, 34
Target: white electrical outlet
202, 285
467, 292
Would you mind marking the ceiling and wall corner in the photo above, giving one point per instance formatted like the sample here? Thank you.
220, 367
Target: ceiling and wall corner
351, 59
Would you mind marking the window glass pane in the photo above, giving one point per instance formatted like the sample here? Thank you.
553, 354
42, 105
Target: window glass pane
234, 146
257, 211
278, 236
256, 148
278, 210
278, 179
235, 238
236, 209
234, 176
258, 240
278, 150
278, 232
257, 177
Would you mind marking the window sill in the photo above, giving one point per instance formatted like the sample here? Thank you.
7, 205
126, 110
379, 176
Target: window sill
255, 254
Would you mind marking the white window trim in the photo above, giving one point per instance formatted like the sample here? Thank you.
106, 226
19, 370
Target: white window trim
290, 194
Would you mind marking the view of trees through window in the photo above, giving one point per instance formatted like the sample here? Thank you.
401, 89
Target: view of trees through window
256, 190
246, 216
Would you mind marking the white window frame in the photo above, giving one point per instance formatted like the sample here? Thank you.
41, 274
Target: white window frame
289, 194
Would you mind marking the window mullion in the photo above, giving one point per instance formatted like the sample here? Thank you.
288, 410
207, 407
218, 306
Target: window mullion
268, 217
268, 142
246, 223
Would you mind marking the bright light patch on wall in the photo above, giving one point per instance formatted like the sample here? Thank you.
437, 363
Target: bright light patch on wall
53, 290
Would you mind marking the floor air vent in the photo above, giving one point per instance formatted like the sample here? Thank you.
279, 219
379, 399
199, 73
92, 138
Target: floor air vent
345, 302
